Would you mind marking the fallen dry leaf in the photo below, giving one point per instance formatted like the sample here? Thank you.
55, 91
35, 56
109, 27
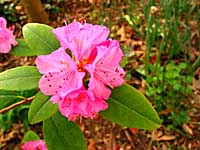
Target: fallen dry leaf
91, 145
187, 129
156, 135
165, 112
166, 138
134, 131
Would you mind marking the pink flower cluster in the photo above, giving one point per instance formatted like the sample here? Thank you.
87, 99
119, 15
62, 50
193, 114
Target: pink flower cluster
6, 37
81, 81
34, 145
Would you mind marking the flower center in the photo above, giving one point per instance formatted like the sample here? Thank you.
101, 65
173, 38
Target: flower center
81, 68
81, 65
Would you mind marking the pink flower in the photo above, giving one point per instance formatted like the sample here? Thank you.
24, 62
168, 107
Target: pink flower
81, 39
34, 145
105, 70
94, 63
6, 37
61, 75
94, 54
80, 102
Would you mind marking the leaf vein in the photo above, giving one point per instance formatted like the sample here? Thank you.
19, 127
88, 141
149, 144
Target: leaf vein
125, 106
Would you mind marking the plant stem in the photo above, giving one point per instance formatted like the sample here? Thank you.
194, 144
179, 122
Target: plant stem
16, 104
195, 65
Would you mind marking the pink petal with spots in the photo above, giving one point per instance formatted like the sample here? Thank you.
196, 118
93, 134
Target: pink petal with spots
112, 77
106, 64
105, 69
81, 38
60, 73
75, 104
57, 61
61, 82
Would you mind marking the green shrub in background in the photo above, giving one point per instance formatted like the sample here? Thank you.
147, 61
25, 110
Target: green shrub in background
19, 114
7, 10
168, 71
169, 86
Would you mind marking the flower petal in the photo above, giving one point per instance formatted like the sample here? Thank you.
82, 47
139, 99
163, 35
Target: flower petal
60, 35
34, 145
3, 22
61, 82
57, 61
5, 47
99, 89
81, 103
112, 77
107, 69
109, 52
99, 105
6, 39
75, 104
81, 38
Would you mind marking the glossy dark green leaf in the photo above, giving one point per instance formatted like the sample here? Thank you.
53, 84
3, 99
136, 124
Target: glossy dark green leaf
41, 108
61, 134
22, 49
128, 107
20, 78
40, 38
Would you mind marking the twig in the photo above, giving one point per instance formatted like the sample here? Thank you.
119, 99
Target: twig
7, 62
129, 138
112, 142
16, 104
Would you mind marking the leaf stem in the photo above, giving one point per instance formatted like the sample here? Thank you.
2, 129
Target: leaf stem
16, 104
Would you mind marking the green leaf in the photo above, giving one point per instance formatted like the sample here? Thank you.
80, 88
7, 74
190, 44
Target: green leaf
41, 108
40, 38
61, 134
7, 98
19, 78
124, 61
22, 49
30, 136
128, 107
